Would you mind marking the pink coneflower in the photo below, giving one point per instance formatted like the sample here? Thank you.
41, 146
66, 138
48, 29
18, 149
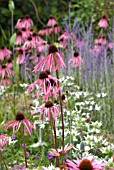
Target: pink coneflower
53, 61
63, 38
5, 81
9, 63
111, 45
44, 31
102, 40
96, 41
19, 39
4, 53
98, 48
25, 33
76, 60
27, 22
29, 43
103, 22
4, 70
56, 29
21, 56
85, 164
48, 109
19, 23
19, 120
44, 84
37, 38
3, 140
31, 31
58, 152
51, 21
35, 58
42, 46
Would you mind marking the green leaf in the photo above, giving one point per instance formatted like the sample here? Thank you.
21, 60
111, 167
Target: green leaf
3, 33
12, 39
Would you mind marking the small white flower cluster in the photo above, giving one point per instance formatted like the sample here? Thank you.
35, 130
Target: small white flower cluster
51, 167
2, 90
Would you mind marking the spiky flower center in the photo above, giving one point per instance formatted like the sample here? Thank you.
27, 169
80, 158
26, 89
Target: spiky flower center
52, 49
19, 116
27, 16
29, 39
34, 34
51, 17
48, 72
48, 104
9, 61
31, 30
104, 17
76, 54
55, 25
38, 55
53, 83
2, 47
20, 51
43, 75
22, 17
85, 164
19, 33
23, 29
3, 66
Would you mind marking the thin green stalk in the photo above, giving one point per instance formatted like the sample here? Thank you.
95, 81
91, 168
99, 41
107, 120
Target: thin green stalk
61, 107
12, 22
1, 156
54, 137
24, 150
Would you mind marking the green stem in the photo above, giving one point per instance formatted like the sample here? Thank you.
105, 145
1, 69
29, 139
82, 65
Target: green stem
61, 107
12, 21
1, 156
54, 137
24, 150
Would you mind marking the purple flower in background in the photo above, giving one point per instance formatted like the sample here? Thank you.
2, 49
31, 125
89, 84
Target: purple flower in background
5, 149
18, 167
13, 137
36, 156
48, 138
50, 156
23, 144
27, 153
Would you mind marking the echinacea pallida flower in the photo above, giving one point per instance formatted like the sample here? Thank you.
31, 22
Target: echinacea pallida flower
76, 60
3, 140
51, 21
19, 120
5, 71
58, 152
46, 83
4, 53
48, 109
103, 23
53, 61
85, 163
